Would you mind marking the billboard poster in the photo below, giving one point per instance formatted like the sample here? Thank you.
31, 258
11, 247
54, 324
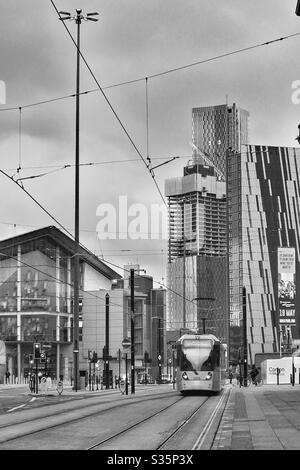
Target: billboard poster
286, 285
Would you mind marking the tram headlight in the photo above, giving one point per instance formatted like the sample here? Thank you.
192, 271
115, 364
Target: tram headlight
209, 376
185, 376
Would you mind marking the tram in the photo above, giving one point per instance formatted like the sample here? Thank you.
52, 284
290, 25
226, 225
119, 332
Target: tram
201, 363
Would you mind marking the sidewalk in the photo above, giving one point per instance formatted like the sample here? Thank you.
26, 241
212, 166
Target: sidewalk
68, 390
260, 418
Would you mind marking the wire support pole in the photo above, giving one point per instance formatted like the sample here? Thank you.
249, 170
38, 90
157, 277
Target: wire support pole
78, 19
76, 257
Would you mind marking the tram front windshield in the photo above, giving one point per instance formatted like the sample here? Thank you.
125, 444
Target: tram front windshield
197, 355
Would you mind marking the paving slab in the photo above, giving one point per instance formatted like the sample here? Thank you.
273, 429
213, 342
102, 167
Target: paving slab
260, 418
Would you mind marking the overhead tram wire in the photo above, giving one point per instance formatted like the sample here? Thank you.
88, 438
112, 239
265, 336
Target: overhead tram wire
149, 77
72, 236
57, 168
109, 103
37, 202
159, 74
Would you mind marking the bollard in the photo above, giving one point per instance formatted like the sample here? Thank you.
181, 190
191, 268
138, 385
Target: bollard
278, 374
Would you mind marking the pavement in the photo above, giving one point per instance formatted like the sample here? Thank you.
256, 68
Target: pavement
68, 390
254, 418
260, 418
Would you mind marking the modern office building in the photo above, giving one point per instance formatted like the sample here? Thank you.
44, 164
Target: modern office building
196, 270
264, 249
215, 129
36, 279
149, 326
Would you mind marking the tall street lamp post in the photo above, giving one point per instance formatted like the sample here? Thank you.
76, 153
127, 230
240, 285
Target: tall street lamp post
76, 277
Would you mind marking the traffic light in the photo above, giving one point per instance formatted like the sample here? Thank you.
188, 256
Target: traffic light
298, 8
95, 357
37, 350
31, 359
43, 358
90, 355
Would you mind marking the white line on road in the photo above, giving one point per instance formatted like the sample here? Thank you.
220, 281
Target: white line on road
15, 408
199, 442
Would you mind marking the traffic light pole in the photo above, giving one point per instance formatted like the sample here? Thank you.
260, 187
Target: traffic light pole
126, 375
132, 331
36, 377
245, 372
159, 349
107, 340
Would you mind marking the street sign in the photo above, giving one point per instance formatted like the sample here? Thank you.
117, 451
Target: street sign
59, 387
46, 346
126, 343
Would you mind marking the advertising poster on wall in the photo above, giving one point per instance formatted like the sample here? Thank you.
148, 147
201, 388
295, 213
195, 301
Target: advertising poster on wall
286, 285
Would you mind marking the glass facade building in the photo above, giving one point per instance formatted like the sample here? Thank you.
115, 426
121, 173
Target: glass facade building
215, 129
36, 300
264, 248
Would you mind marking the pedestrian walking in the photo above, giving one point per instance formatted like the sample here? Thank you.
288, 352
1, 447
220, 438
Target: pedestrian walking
230, 375
7, 377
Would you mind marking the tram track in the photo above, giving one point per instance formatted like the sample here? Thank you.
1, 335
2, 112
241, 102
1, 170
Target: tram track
128, 428
10, 431
203, 435
224, 396
181, 426
193, 414
170, 424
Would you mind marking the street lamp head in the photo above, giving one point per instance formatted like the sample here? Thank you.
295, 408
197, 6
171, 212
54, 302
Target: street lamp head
67, 15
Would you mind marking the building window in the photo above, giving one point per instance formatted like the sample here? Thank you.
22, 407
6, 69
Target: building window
8, 328
38, 328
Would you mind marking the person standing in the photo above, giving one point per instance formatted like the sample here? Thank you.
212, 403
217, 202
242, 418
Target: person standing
253, 374
7, 377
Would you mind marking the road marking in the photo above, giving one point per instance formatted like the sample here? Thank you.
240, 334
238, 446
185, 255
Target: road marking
15, 408
203, 434
32, 399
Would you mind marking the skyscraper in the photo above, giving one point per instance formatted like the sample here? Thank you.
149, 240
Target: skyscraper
197, 250
215, 129
197, 265
264, 248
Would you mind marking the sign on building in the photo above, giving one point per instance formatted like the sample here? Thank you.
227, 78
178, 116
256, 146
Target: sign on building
286, 285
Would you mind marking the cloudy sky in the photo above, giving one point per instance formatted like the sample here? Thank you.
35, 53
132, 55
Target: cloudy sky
132, 40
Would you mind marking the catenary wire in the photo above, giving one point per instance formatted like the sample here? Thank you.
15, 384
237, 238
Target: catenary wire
159, 74
109, 104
